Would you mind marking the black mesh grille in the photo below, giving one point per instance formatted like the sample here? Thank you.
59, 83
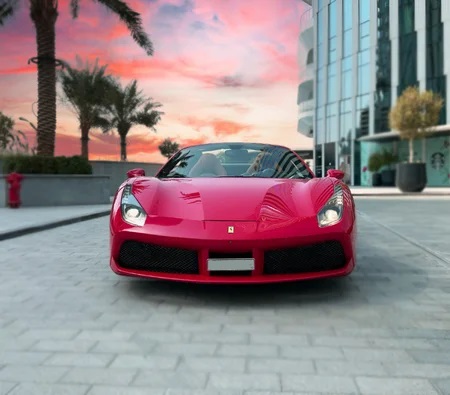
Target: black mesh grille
156, 258
305, 259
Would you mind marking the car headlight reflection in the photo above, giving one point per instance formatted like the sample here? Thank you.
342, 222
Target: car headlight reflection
331, 213
132, 211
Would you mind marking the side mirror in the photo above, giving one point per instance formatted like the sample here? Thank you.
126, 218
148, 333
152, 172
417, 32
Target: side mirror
139, 172
339, 174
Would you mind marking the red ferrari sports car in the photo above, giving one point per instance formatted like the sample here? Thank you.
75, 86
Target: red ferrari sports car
233, 213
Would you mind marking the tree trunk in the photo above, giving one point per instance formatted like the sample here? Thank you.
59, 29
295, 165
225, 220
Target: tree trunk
411, 151
46, 118
85, 141
123, 148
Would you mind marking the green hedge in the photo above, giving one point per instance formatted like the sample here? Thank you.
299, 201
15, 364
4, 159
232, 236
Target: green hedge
33, 164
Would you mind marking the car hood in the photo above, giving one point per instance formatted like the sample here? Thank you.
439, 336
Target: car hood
235, 199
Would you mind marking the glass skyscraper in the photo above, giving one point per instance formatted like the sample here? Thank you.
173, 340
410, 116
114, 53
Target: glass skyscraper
366, 52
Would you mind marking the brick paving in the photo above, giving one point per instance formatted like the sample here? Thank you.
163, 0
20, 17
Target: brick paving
68, 325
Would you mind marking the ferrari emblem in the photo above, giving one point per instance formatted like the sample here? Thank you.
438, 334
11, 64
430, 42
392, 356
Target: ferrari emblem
231, 229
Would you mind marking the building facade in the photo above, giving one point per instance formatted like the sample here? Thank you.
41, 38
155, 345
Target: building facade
364, 53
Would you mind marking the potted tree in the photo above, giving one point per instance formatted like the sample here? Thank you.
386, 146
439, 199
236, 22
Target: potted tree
388, 159
414, 114
374, 166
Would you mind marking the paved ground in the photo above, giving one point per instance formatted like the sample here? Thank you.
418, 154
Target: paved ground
68, 325
394, 191
28, 218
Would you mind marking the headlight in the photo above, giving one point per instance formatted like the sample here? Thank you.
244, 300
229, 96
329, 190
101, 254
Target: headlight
331, 213
132, 211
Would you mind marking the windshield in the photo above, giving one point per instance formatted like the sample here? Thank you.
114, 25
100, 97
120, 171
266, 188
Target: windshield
235, 160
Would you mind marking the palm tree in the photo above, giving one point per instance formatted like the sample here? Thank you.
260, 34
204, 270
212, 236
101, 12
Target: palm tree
12, 140
87, 92
44, 14
129, 108
168, 147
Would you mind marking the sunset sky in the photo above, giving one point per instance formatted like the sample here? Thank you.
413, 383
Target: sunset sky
224, 70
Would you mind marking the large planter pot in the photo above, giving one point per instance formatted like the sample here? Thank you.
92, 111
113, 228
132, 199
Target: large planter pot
388, 177
376, 179
411, 177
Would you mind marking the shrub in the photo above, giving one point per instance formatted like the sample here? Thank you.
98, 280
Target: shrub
27, 164
388, 158
375, 162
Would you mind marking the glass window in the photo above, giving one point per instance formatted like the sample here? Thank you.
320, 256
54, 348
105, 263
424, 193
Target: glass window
406, 16
318, 160
320, 27
330, 156
364, 29
332, 85
332, 127
331, 110
364, 57
364, 43
332, 19
436, 79
347, 43
320, 87
347, 63
346, 124
320, 127
347, 85
362, 101
332, 69
347, 14
407, 46
364, 79
362, 122
364, 11
332, 44
383, 68
346, 105
320, 57
332, 25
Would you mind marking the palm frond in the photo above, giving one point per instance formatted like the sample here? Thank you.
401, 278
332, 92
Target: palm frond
102, 123
132, 20
7, 9
74, 8
149, 119
87, 90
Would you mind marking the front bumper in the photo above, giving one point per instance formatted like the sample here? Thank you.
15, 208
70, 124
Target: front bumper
279, 253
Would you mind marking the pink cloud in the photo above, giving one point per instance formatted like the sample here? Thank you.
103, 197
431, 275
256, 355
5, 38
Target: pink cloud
220, 127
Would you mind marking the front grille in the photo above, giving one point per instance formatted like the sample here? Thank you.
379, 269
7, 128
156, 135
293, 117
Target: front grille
156, 258
305, 259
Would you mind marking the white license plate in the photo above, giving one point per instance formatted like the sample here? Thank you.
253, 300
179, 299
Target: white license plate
232, 264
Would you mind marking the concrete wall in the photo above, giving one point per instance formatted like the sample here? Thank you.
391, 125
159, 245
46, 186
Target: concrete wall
40, 190
117, 171
3, 191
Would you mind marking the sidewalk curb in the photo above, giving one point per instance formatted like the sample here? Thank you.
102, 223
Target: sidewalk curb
39, 228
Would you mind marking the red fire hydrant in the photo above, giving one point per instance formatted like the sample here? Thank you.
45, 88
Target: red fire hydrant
14, 180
